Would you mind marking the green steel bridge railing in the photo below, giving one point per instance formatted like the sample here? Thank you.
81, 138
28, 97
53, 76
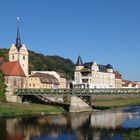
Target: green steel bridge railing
78, 92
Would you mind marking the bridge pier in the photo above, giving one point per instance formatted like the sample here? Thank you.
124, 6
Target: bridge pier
78, 105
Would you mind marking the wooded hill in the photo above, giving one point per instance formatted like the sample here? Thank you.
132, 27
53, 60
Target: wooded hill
40, 62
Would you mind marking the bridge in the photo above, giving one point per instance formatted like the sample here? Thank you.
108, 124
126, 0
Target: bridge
79, 98
79, 92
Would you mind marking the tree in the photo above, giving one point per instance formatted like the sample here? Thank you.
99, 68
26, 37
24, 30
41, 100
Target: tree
2, 87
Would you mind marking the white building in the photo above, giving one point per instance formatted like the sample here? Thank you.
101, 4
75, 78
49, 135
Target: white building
93, 75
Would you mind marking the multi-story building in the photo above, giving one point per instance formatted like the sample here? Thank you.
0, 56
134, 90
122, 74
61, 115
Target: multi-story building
42, 80
93, 75
61, 79
118, 80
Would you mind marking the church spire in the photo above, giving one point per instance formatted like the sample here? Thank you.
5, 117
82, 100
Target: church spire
18, 40
79, 61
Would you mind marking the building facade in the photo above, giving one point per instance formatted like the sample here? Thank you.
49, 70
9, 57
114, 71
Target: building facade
118, 80
61, 79
42, 81
129, 84
14, 78
93, 75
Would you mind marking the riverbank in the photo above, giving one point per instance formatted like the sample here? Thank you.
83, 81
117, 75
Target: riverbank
105, 103
25, 109
28, 109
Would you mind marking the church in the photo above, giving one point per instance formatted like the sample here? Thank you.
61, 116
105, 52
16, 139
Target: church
18, 52
16, 70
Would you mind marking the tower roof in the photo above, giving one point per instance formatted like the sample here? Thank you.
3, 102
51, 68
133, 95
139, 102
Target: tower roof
18, 40
108, 66
79, 61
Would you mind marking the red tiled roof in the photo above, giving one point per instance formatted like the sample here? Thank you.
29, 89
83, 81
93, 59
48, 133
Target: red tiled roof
125, 84
127, 81
13, 69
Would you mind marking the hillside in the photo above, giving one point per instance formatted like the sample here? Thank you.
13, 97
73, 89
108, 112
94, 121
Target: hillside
38, 61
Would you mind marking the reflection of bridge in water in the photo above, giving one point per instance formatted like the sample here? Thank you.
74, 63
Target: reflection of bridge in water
79, 99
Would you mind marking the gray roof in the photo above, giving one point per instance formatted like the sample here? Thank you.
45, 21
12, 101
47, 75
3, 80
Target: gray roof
79, 61
102, 68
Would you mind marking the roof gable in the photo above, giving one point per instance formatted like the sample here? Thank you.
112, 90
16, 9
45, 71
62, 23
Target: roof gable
102, 68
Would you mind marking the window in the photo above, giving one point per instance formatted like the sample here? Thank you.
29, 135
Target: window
22, 82
23, 57
15, 82
13, 57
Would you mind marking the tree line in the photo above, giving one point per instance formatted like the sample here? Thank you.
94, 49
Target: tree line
40, 62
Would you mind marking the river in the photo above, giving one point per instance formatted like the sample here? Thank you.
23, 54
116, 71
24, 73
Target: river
104, 125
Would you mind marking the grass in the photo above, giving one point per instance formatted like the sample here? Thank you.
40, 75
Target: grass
132, 135
115, 103
24, 109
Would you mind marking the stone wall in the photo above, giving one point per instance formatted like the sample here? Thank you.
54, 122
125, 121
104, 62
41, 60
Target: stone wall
78, 105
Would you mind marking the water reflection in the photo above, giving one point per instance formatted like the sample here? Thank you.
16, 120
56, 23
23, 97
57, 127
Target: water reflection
105, 125
107, 120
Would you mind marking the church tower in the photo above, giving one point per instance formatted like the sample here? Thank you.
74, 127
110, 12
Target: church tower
19, 52
79, 64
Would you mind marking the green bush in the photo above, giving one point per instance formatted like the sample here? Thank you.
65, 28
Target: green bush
2, 87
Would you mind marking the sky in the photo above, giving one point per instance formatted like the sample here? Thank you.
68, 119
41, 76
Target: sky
105, 31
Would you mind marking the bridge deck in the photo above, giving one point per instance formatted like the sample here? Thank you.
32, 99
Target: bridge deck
78, 92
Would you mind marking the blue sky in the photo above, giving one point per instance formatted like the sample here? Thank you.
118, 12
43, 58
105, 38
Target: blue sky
105, 31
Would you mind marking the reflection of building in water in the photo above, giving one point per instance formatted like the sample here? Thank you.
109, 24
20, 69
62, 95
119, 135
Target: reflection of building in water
78, 120
13, 130
108, 120
53, 120
18, 130
81, 126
